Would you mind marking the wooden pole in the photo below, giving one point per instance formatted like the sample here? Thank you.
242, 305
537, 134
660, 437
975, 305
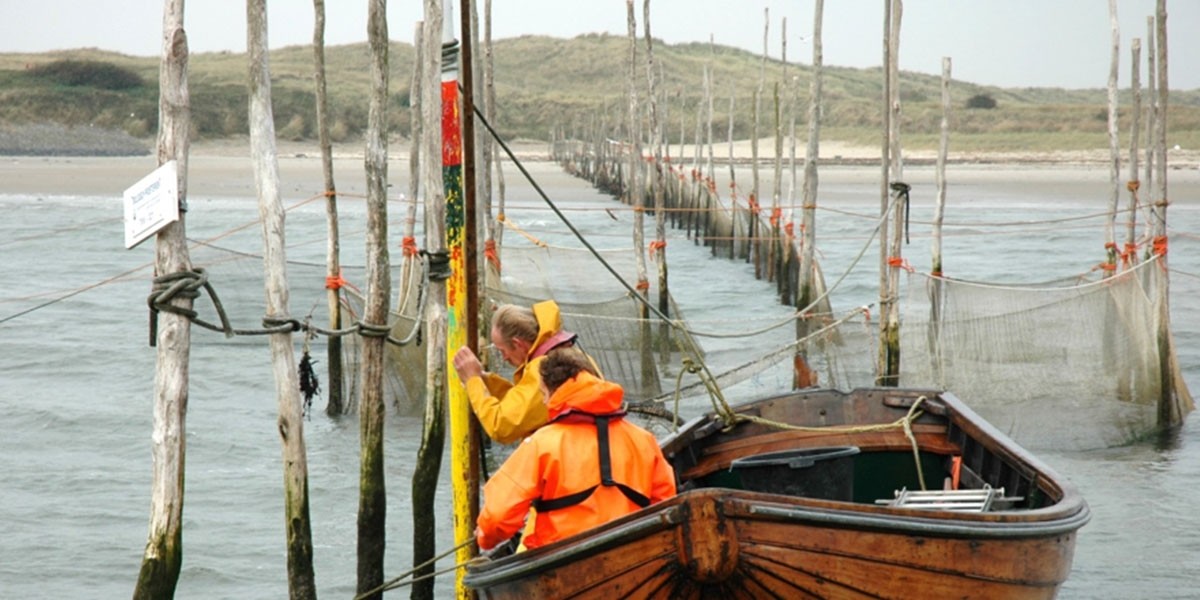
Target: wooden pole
433, 431
803, 375
409, 289
632, 187
163, 555
886, 293
1130, 251
660, 221
489, 83
755, 197
775, 254
301, 583
464, 472
900, 214
1114, 145
733, 210
1151, 112
1172, 405
939, 211
469, 242
335, 404
372, 499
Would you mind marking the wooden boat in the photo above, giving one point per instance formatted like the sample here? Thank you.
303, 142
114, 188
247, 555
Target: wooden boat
833, 522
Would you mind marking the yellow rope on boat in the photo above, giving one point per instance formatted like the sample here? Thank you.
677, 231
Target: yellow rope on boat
904, 422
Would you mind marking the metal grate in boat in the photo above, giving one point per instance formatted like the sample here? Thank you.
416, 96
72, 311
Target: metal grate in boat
975, 500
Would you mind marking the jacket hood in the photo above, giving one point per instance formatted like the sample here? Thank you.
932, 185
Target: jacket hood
549, 321
587, 393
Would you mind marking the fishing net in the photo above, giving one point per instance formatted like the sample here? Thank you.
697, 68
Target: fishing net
1026, 356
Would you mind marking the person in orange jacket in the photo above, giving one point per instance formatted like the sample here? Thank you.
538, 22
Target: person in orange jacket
510, 410
585, 467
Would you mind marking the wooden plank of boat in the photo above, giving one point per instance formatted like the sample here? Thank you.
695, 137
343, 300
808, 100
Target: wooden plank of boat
717, 541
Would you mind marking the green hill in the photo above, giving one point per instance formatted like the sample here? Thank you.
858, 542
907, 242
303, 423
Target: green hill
575, 84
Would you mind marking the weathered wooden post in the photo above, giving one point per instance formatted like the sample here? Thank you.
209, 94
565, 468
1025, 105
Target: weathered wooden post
496, 234
409, 285
301, 583
803, 374
637, 198
1129, 253
889, 333
163, 556
660, 223
939, 211
335, 404
1114, 146
372, 499
755, 199
733, 210
1171, 406
1151, 108
433, 431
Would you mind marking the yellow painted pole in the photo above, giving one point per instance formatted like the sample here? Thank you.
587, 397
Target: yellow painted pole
464, 470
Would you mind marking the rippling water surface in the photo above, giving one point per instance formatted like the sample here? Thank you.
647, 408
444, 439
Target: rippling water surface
76, 391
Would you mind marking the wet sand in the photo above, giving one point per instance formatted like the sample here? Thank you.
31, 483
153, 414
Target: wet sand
223, 169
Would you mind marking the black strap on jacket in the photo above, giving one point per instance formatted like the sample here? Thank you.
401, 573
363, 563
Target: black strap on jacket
606, 479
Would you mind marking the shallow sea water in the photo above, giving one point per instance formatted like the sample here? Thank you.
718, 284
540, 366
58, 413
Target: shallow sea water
76, 388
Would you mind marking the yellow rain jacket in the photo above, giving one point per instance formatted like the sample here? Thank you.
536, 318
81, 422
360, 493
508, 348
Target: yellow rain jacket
557, 470
510, 410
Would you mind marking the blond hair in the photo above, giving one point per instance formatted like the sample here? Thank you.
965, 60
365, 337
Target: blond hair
515, 323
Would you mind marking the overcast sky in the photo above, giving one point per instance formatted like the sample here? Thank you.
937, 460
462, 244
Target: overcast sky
1010, 43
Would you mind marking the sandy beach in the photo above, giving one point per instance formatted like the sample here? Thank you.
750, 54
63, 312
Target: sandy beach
222, 168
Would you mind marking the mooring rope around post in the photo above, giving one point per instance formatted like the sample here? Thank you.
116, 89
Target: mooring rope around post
187, 284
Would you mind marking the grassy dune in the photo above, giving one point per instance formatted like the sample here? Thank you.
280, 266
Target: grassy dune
577, 85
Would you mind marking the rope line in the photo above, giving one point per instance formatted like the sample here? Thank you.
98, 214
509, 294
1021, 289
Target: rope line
393, 583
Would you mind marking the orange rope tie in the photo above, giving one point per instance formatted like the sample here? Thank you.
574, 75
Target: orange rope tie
643, 285
656, 246
711, 184
1129, 252
900, 262
335, 282
753, 202
1107, 266
330, 193
776, 214
936, 273
489, 252
1133, 185
695, 174
409, 244
790, 229
1160, 245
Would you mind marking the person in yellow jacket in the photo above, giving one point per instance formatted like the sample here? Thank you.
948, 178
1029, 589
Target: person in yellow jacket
510, 410
585, 467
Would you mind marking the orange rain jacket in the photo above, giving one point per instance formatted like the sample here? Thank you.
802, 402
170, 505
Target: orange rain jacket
510, 410
562, 458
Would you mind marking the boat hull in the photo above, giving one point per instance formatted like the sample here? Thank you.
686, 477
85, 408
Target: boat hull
719, 542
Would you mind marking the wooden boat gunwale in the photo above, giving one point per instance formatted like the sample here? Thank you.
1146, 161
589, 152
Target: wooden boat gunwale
1065, 513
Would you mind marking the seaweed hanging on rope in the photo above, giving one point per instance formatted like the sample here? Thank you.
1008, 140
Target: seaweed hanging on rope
310, 385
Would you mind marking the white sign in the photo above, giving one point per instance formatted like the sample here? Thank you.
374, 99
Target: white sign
151, 204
